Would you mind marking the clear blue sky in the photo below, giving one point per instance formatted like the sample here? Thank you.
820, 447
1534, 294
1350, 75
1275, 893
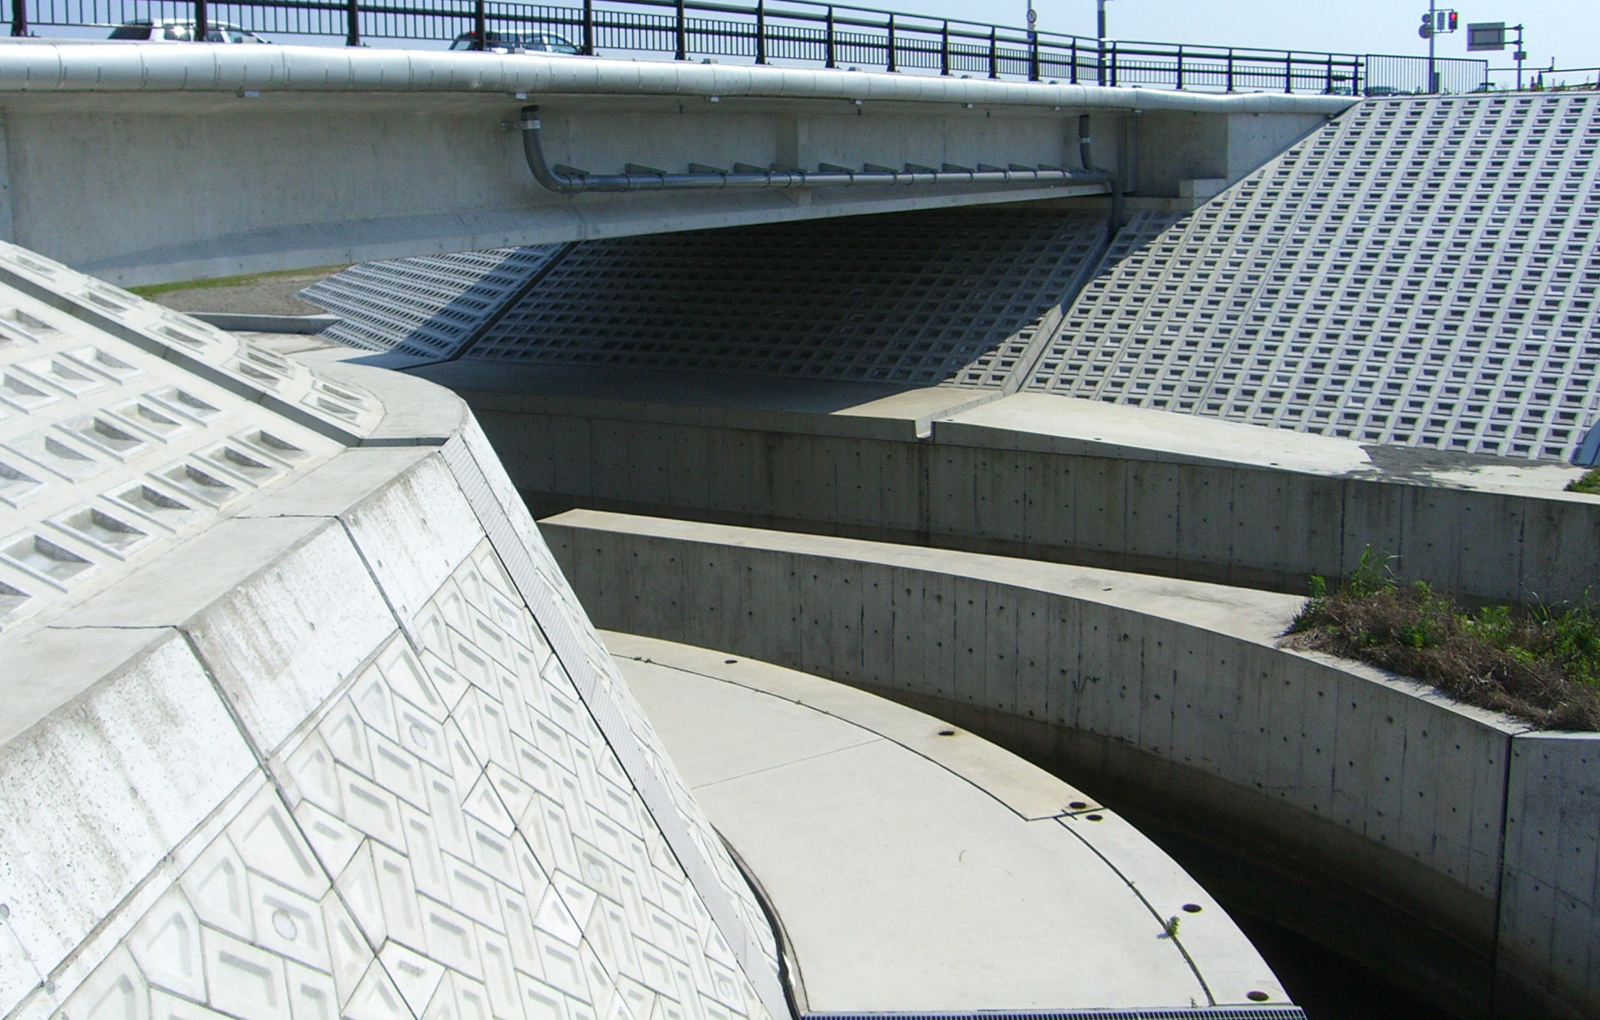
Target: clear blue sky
1568, 30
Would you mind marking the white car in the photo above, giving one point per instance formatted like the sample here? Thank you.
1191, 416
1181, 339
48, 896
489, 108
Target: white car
183, 31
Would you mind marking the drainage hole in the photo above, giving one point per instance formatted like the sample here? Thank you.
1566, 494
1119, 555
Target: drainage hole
1191, 908
729, 662
1094, 818
1257, 996
1077, 805
947, 733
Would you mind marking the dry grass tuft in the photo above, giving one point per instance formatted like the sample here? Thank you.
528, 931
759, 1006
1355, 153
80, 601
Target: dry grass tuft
1538, 663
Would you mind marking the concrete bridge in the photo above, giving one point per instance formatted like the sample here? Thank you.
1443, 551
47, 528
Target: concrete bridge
148, 163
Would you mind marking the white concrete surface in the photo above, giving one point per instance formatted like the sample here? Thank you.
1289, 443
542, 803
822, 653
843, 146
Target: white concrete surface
902, 870
341, 744
1174, 687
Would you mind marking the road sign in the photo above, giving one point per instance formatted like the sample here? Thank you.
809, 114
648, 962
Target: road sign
1486, 35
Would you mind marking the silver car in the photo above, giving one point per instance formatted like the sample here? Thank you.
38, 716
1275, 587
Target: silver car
511, 42
183, 31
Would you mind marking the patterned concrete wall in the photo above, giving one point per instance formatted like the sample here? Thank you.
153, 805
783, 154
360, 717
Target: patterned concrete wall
1417, 273
351, 749
447, 833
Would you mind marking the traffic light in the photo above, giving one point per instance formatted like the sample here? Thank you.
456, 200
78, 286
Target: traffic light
1439, 23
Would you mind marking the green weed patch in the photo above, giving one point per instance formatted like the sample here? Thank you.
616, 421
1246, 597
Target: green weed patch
1539, 663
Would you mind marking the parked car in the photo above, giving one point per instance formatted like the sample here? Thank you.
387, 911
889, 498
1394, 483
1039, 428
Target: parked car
183, 31
511, 42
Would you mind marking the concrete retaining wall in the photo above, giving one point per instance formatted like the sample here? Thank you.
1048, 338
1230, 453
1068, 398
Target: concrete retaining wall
1453, 814
996, 490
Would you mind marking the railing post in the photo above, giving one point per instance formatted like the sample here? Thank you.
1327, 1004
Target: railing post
944, 49
1230, 69
683, 35
994, 54
1288, 72
828, 45
1113, 63
1328, 89
761, 30
19, 17
1033, 55
1180, 67
891, 44
1100, 63
352, 22
201, 28
588, 28
480, 28
1074, 60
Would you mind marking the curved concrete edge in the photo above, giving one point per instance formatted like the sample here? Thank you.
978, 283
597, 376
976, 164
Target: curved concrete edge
150, 67
692, 693
1456, 815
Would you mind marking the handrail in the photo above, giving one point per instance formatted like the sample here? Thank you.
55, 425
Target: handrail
765, 32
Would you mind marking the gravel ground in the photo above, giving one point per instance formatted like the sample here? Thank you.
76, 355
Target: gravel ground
264, 295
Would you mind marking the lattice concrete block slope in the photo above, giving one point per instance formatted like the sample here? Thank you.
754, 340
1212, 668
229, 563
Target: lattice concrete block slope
916, 298
906, 299
301, 719
1419, 272
425, 306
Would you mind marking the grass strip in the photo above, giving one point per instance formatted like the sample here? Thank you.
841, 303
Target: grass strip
1539, 663
152, 289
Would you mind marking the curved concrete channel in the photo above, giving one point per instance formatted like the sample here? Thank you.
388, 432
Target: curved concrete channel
1471, 839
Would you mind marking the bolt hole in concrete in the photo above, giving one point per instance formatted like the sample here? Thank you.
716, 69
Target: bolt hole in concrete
1094, 818
730, 661
1192, 908
1257, 996
947, 733
1077, 805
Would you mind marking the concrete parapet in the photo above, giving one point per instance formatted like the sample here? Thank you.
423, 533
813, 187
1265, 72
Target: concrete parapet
1060, 479
1173, 688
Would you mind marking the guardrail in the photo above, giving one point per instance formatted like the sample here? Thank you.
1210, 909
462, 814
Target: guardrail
792, 31
788, 31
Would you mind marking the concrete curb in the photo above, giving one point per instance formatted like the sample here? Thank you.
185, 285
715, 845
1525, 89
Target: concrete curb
243, 322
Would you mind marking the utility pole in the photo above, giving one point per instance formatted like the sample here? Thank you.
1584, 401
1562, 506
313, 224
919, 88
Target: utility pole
1101, 35
1520, 54
1433, 76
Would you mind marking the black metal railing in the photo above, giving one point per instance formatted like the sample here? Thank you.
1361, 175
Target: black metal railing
787, 31
1403, 75
790, 31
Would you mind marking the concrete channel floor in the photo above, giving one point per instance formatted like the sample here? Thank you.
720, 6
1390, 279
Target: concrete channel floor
916, 867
